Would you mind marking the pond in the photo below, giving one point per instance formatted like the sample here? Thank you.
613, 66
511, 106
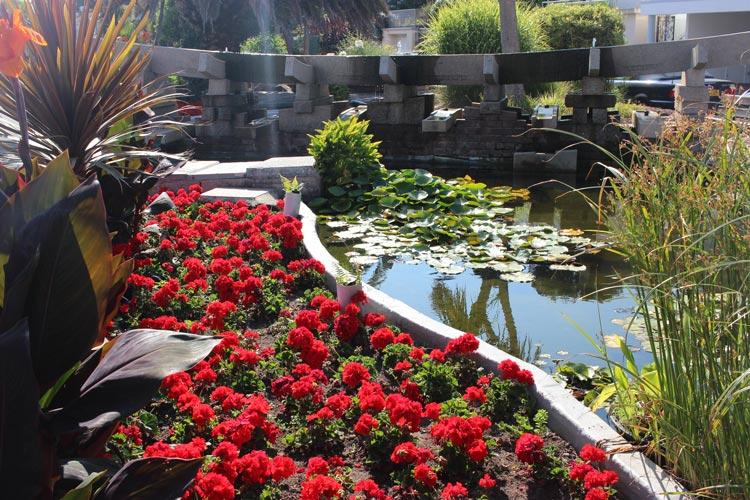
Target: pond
539, 321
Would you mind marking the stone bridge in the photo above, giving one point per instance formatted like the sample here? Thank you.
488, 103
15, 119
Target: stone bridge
404, 119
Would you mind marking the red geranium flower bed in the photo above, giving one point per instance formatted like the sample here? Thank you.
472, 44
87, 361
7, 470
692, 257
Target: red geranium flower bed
306, 398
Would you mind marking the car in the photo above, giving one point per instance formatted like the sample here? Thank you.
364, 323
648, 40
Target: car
658, 90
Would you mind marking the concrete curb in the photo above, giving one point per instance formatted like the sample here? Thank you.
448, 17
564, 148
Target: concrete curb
640, 478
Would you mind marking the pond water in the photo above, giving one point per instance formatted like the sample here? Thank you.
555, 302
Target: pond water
538, 321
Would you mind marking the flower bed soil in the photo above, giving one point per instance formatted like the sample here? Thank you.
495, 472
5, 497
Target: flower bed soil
306, 398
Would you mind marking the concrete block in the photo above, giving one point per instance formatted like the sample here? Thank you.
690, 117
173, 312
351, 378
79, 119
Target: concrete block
240, 119
224, 87
595, 59
441, 120
304, 107
699, 57
251, 196
224, 114
487, 107
210, 66
411, 111
599, 116
580, 115
309, 91
301, 72
388, 69
214, 129
208, 113
691, 94
545, 116
231, 100
593, 86
693, 77
647, 124
490, 70
291, 121
561, 161
493, 92
471, 113
398, 93
590, 101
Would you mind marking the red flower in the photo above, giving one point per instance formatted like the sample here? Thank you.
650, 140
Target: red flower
579, 470
596, 479
371, 489
593, 454
282, 467
597, 494
475, 394
373, 319
255, 467
425, 475
316, 354
454, 491
300, 338
487, 482
529, 448
432, 411
272, 255
214, 486
371, 397
354, 374
408, 453
316, 466
464, 344
381, 338
404, 412
477, 451
365, 424
437, 355
321, 488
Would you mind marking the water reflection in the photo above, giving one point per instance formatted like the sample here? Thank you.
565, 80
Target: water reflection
533, 321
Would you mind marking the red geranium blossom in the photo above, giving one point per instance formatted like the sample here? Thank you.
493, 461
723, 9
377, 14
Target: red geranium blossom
529, 448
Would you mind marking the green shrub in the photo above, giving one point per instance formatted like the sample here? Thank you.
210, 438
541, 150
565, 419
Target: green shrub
344, 151
264, 44
355, 44
473, 27
575, 26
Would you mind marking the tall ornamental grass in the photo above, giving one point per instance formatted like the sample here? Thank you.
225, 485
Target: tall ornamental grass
682, 215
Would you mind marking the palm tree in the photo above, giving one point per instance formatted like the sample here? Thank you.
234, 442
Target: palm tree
509, 40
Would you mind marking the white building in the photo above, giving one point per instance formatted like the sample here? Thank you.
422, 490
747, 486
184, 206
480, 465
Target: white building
665, 20
403, 31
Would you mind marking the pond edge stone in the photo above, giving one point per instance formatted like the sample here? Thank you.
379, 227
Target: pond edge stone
640, 478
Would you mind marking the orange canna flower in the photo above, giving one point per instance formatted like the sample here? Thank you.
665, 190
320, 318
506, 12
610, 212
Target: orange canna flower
13, 39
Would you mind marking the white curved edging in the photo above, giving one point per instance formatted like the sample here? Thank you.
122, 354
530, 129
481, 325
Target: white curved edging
640, 478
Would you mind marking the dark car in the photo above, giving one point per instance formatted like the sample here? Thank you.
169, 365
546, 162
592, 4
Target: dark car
658, 90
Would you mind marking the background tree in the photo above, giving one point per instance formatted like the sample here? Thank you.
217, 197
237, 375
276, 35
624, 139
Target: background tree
510, 42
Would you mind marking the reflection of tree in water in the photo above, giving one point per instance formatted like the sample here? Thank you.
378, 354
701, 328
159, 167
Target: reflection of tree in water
599, 279
453, 308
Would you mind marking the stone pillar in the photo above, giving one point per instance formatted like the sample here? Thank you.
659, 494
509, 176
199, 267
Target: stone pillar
590, 106
226, 104
400, 105
313, 103
691, 95
493, 95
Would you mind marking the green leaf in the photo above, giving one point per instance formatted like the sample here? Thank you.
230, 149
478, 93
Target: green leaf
317, 203
341, 205
20, 450
129, 375
390, 201
86, 488
72, 281
423, 177
418, 195
337, 191
151, 479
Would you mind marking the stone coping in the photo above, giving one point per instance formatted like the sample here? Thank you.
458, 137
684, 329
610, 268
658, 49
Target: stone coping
640, 478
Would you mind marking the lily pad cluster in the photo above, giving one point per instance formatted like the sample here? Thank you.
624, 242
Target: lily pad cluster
449, 224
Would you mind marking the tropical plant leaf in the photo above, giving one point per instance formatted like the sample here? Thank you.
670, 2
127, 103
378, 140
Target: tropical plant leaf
36, 197
85, 490
72, 280
20, 449
151, 479
129, 375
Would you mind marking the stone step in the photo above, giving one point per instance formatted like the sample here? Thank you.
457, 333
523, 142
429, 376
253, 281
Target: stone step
251, 196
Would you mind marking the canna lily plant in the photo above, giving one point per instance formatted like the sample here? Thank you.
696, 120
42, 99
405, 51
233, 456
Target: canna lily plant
63, 386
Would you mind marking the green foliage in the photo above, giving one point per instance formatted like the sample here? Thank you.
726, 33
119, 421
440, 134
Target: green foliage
343, 151
291, 185
436, 380
265, 43
355, 44
60, 286
393, 353
680, 215
473, 27
575, 26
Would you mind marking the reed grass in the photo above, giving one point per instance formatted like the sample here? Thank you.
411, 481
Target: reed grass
681, 213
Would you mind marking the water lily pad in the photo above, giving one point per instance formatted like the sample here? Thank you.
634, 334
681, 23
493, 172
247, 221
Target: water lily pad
364, 260
507, 267
571, 232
